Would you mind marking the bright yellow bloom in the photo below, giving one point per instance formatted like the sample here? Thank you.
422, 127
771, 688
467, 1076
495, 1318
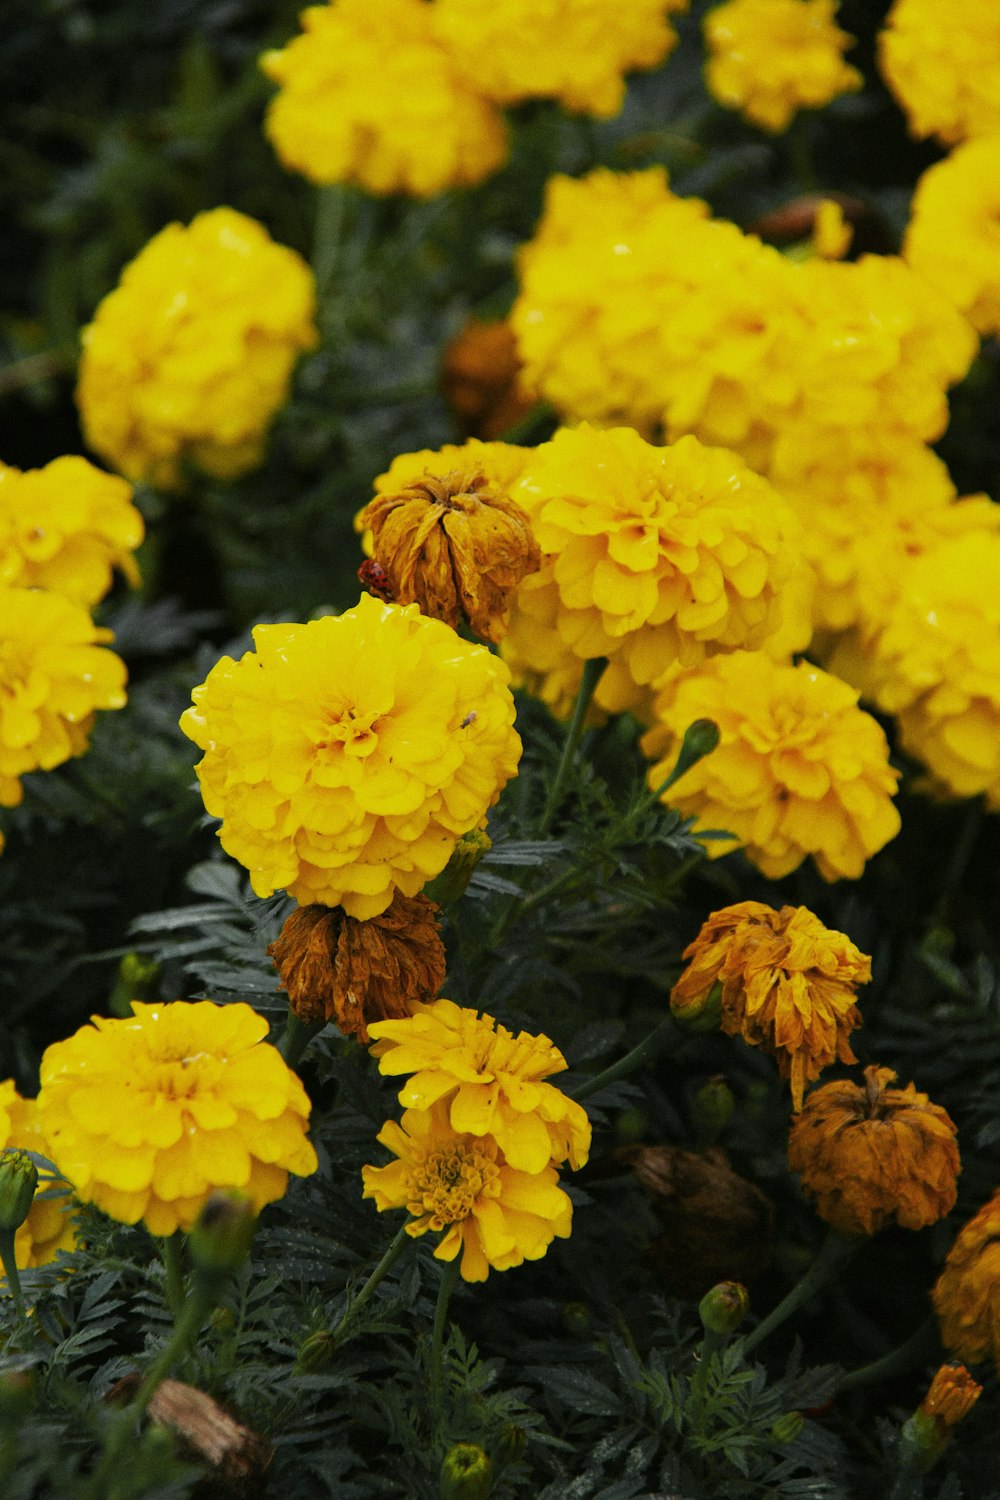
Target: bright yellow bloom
876, 1155
191, 355
576, 51
369, 95
493, 1214
771, 58
832, 232
787, 985
66, 527
967, 1293
492, 1079
149, 1116
346, 757
943, 64
50, 1225
54, 674
953, 237
800, 770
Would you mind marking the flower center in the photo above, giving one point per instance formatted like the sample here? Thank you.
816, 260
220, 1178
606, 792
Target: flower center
446, 1183
352, 732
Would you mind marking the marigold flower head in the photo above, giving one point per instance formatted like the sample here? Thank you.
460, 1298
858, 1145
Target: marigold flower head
576, 51
54, 673
943, 65
481, 378
876, 1155
191, 355
771, 58
952, 237
493, 1082
787, 985
331, 120
502, 463
459, 1184
66, 527
800, 770
346, 757
967, 1293
50, 1225
336, 968
952, 1395
148, 1116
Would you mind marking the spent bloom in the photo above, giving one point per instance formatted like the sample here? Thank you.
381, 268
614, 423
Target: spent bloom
943, 65
346, 757
369, 95
967, 1293
51, 1224
953, 236
771, 58
481, 378
800, 770
459, 1184
191, 355
66, 527
148, 1116
876, 1155
494, 1082
787, 985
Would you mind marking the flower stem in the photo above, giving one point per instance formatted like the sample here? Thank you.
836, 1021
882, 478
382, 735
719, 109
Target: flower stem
172, 1250
331, 213
449, 1278
385, 1265
710, 1345
834, 1252
9, 1264
588, 682
298, 1034
646, 1049
921, 1346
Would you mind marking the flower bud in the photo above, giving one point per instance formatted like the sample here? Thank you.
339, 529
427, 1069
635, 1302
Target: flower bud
466, 1473
723, 1309
454, 878
221, 1238
512, 1443
315, 1352
926, 1434
787, 1428
18, 1181
576, 1319
700, 739
705, 1014
711, 1110
138, 978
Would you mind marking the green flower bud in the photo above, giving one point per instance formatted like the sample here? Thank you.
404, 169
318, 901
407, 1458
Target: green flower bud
704, 1015
723, 1308
711, 1110
17, 1396
454, 878
315, 1352
220, 1241
576, 1318
466, 1473
630, 1126
787, 1428
18, 1181
138, 978
700, 739
513, 1440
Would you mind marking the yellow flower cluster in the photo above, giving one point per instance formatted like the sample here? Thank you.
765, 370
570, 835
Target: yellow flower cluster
50, 1225
189, 358
481, 1139
952, 237
346, 757
800, 769
148, 1116
967, 1293
943, 65
66, 527
771, 58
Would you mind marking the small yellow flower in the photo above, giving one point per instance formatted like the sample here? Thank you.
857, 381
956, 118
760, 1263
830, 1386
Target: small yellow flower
876, 1155
943, 65
492, 1079
967, 1293
953, 237
771, 58
50, 1225
787, 985
148, 1116
459, 1184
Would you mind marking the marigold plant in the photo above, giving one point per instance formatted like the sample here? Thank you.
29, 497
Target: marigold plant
943, 65
967, 1292
952, 234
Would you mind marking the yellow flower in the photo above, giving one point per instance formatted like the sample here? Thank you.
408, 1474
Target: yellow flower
787, 985
54, 674
967, 1293
369, 95
65, 527
50, 1225
876, 1155
502, 463
953, 237
492, 1079
943, 65
576, 51
346, 757
771, 58
800, 770
191, 355
832, 232
493, 1214
148, 1116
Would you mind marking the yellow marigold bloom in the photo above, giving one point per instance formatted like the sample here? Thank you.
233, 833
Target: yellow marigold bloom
967, 1293
876, 1155
787, 985
771, 58
369, 95
800, 769
51, 1224
952, 237
66, 527
191, 355
943, 65
54, 673
457, 1182
148, 1116
502, 463
346, 757
492, 1080
576, 51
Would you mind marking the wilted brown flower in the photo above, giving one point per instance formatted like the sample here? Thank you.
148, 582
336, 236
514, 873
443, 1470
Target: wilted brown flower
481, 378
456, 544
336, 968
967, 1294
874, 1155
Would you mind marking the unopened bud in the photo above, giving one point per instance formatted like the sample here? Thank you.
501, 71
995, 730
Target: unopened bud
18, 1181
711, 1110
787, 1428
631, 1126
576, 1318
723, 1308
926, 1434
315, 1352
454, 878
704, 1014
512, 1443
138, 978
700, 739
220, 1241
466, 1473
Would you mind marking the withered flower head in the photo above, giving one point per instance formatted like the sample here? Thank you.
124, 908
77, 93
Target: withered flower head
455, 544
874, 1155
336, 968
481, 378
967, 1294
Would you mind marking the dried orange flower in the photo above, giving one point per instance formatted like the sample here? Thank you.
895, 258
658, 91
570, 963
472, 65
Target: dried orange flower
787, 985
455, 544
928, 1432
481, 378
967, 1294
875, 1155
336, 968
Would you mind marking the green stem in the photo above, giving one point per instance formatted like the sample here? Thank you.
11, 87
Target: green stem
539, 413
921, 1346
331, 214
710, 1345
9, 1264
298, 1035
700, 739
449, 1278
385, 1265
834, 1252
172, 1250
588, 682
632, 1061
798, 139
